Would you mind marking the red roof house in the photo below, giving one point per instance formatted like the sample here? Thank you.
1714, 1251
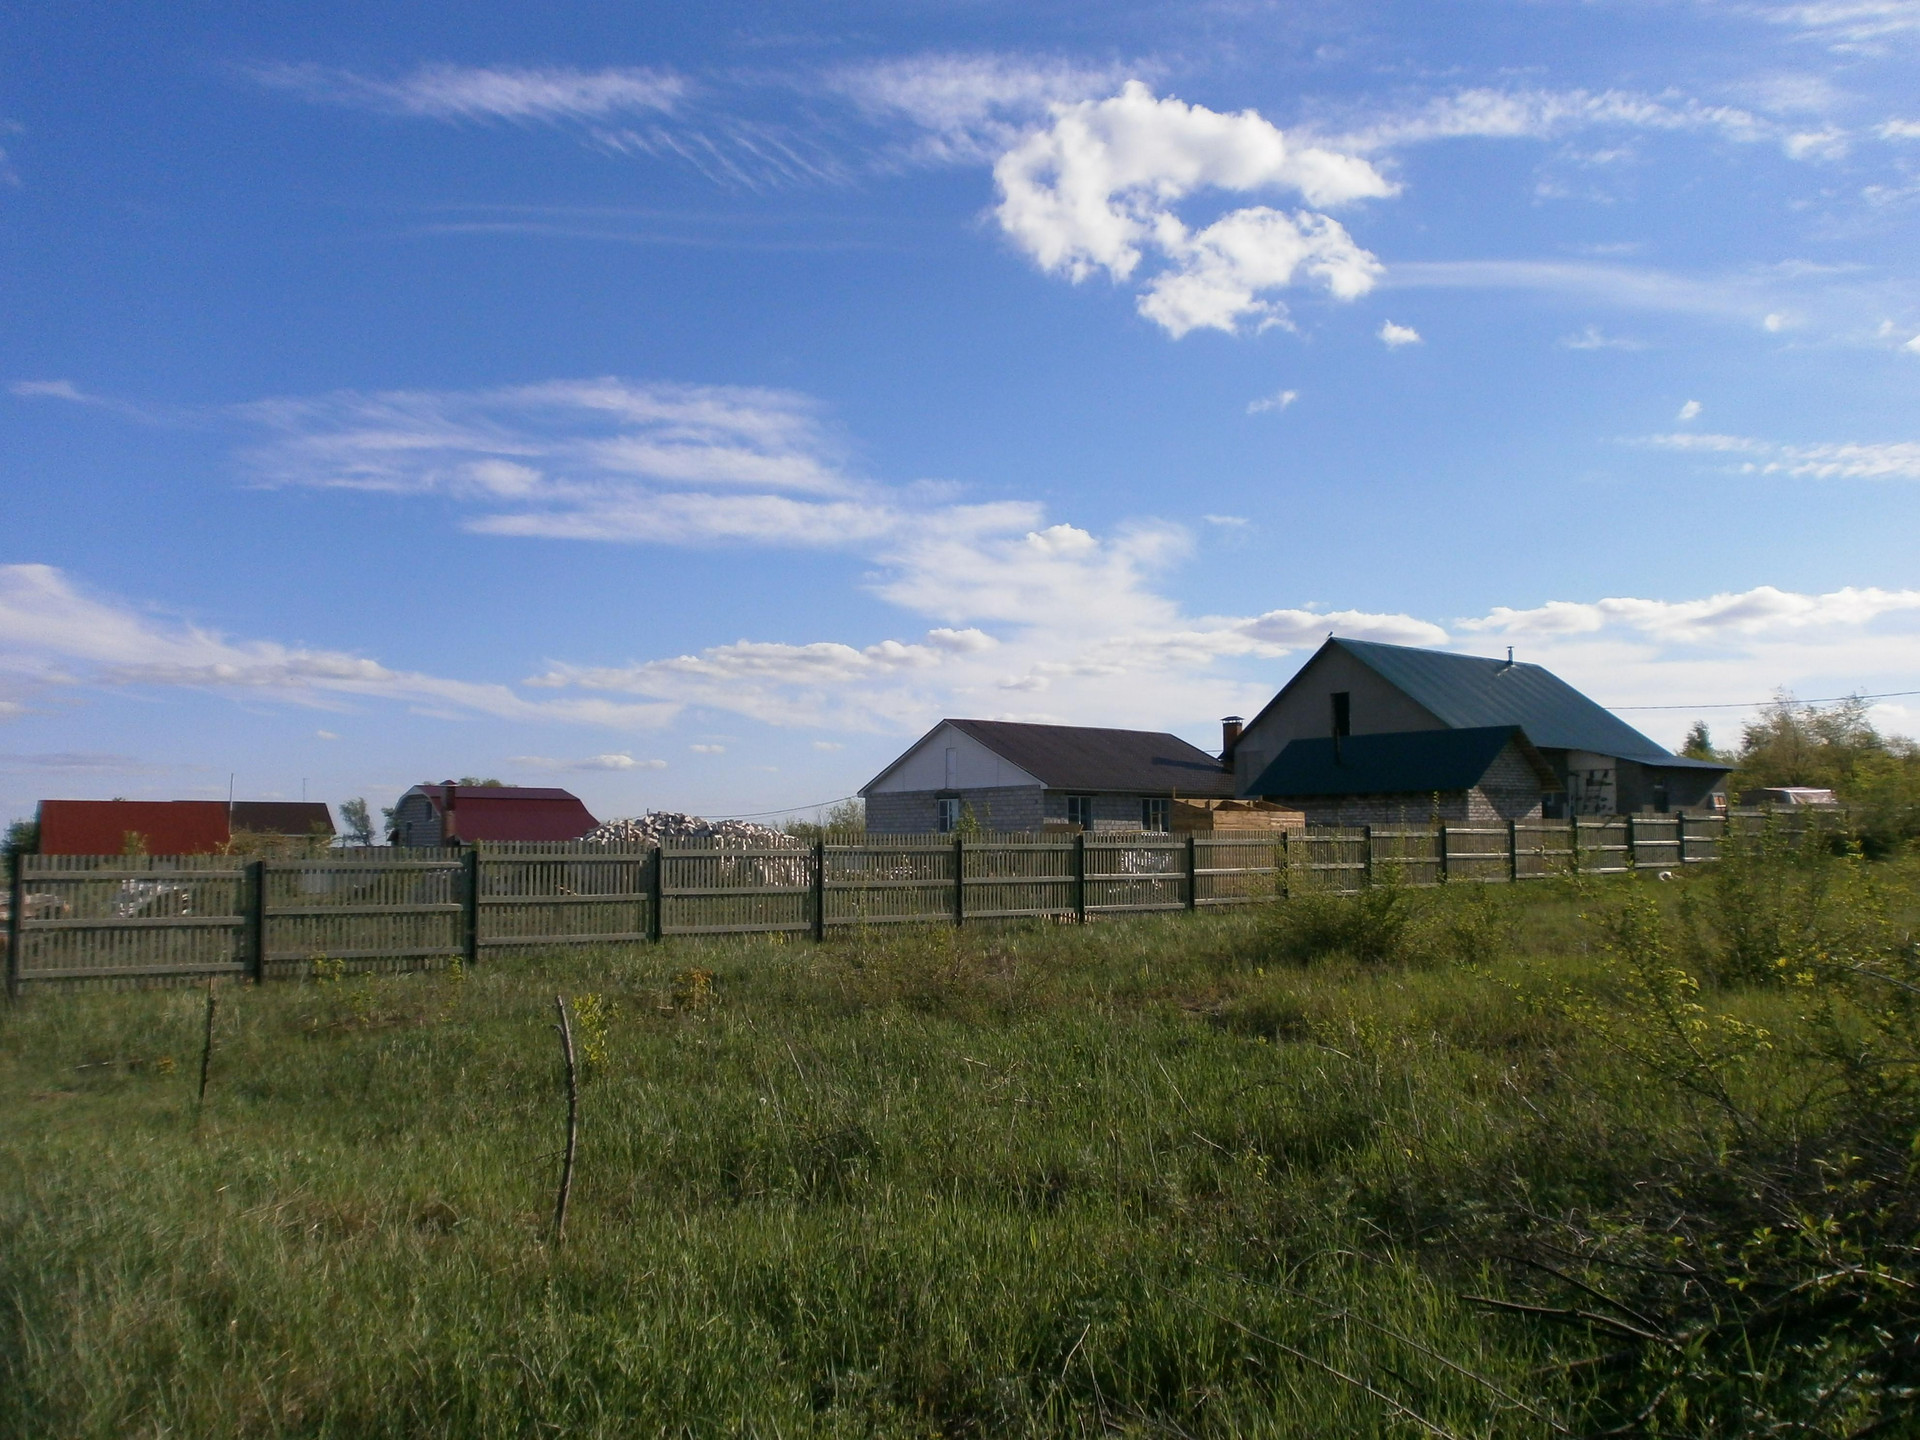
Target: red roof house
102, 827
450, 814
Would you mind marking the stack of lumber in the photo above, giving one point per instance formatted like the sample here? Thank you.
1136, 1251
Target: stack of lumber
1263, 816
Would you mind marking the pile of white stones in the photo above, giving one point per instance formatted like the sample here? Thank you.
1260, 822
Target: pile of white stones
669, 827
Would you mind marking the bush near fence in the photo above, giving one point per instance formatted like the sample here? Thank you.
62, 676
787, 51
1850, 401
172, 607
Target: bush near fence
146, 919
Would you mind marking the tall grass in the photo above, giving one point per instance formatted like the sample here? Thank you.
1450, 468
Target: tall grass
1174, 1176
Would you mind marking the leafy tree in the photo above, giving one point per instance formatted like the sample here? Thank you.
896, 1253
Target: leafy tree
1837, 748
843, 821
356, 821
1699, 743
23, 838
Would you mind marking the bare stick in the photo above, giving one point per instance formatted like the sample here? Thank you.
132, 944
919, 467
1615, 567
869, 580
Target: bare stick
565, 1028
206, 1055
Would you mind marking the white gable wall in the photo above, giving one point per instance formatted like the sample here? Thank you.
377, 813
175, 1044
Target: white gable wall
972, 766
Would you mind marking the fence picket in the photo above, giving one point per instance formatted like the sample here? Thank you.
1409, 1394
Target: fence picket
134, 919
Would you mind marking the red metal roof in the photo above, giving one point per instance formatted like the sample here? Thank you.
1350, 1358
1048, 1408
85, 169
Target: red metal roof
100, 827
509, 812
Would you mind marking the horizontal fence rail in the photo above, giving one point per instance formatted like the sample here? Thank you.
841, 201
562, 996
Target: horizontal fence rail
142, 919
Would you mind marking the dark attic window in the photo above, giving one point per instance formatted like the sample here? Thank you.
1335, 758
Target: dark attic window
1342, 713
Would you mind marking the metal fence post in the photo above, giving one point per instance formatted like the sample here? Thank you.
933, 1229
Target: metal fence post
1633, 849
819, 890
1283, 857
1513, 852
470, 871
1080, 877
16, 904
1573, 843
959, 879
1445, 860
656, 894
1366, 857
1193, 871
257, 920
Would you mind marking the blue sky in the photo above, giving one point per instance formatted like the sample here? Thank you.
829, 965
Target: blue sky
690, 405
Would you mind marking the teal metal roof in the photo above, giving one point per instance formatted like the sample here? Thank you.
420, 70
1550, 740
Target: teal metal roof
1413, 762
1467, 692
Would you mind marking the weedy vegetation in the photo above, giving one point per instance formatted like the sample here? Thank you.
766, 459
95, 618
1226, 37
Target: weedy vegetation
1576, 1158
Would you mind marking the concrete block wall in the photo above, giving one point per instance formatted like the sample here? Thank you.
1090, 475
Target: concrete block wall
1006, 809
1510, 790
1110, 812
917, 812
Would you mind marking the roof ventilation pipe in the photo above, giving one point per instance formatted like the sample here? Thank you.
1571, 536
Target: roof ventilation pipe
1230, 729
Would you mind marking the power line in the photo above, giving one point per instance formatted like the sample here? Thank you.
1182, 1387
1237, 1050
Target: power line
1760, 704
790, 810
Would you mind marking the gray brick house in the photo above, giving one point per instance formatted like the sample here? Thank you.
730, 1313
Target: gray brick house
1015, 777
1361, 734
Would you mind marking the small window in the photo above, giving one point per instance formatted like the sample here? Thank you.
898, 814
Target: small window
1153, 814
947, 813
1342, 713
1080, 811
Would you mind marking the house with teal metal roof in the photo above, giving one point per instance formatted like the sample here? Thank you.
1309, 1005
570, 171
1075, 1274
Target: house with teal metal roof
1366, 729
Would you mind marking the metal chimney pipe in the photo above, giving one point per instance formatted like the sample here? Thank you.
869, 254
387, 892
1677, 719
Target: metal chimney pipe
1230, 729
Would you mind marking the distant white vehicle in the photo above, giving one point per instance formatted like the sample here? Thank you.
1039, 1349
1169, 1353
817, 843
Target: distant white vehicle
1799, 795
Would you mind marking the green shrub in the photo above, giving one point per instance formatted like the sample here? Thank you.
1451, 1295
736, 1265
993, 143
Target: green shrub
1391, 923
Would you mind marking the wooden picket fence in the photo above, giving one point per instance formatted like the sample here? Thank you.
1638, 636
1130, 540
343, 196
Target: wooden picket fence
143, 920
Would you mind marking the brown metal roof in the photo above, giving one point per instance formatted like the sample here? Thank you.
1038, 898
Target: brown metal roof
281, 817
1085, 757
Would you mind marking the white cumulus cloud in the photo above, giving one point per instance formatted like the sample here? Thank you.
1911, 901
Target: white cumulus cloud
55, 635
1689, 411
1095, 190
1394, 336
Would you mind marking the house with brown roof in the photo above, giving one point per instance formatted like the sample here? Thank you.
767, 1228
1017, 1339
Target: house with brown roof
1016, 777
455, 814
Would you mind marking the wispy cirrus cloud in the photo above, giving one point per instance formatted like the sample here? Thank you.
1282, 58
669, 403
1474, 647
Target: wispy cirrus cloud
1848, 26
549, 94
600, 459
968, 108
1487, 113
1837, 460
588, 764
1593, 338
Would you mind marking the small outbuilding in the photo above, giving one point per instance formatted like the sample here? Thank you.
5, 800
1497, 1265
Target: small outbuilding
293, 819
1009, 777
454, 814
1486, 775
1791, 797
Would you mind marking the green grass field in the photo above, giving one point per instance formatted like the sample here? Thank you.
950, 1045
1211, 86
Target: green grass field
1215, 1175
